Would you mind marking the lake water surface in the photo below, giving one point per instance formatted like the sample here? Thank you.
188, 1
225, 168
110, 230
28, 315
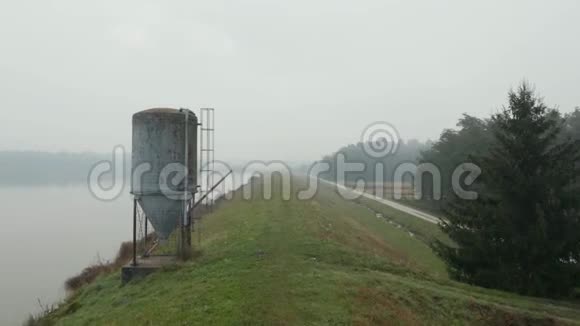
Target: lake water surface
49, 233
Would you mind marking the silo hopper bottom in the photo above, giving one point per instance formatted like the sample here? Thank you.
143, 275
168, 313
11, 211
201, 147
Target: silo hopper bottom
163, 213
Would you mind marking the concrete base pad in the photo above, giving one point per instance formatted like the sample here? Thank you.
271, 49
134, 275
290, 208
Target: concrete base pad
145, 266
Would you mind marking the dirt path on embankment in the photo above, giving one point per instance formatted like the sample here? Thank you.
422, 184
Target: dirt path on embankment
406, 209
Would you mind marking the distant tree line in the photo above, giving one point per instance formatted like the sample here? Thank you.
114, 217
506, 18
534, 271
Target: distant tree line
475, 137
407, 151
19, 168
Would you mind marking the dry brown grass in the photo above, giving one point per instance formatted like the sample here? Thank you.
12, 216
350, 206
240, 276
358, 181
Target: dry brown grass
380, 309
90, 273
488, 315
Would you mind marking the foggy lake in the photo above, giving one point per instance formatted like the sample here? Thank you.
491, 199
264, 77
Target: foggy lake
49, 233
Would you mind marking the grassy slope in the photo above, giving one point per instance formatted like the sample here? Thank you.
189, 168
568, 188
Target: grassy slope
324, 261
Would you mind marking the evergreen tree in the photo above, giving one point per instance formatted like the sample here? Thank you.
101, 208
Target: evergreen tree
523, 232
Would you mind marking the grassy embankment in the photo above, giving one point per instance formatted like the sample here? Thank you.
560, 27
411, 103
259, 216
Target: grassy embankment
325, 261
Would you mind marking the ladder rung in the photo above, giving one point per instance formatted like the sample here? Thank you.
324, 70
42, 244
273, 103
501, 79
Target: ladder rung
207, 129
207, 150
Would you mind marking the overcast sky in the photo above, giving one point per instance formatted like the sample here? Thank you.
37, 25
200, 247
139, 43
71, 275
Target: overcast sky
289, 80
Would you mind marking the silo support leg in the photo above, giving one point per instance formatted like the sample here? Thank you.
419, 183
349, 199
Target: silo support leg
134, 232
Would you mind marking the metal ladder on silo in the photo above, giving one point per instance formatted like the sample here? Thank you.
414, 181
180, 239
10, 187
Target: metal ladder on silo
206, 160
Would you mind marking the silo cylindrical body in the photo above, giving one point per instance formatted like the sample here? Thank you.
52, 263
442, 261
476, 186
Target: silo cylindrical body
162, 147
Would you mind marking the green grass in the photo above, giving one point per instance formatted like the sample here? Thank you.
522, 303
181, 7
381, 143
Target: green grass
325, 261
426, 231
